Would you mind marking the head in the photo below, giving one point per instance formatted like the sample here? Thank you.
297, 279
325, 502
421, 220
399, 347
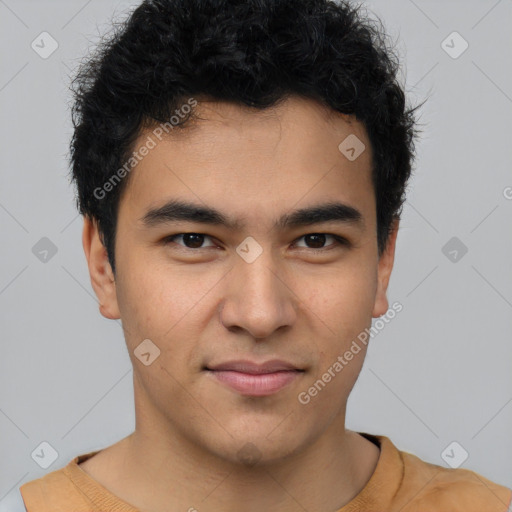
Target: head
230, 120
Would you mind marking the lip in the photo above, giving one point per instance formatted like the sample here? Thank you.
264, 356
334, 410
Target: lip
254, 368
255, 379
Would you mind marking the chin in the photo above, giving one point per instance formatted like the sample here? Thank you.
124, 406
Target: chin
254, 447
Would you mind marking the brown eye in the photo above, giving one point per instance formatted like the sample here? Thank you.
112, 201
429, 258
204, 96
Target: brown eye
317, 240
190, 240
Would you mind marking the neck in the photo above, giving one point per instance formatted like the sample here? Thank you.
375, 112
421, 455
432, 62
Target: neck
162, 472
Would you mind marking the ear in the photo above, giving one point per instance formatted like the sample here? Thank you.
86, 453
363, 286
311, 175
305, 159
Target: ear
102, 277
386, 261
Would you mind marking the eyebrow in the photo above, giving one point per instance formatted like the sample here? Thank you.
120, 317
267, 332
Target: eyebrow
176, 210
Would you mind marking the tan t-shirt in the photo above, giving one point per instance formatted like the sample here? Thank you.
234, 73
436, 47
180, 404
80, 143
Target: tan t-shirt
401, 482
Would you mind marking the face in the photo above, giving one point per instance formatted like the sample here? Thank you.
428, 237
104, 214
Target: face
253, 282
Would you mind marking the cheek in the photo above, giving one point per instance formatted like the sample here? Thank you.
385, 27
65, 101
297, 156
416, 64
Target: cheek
344, 299
343, 302
163, 303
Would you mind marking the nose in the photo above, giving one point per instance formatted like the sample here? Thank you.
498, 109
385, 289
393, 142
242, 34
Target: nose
258, 298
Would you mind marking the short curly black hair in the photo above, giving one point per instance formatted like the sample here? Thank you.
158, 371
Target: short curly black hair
250, 52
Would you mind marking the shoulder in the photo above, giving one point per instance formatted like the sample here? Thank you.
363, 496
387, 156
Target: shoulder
49, 493
428, 486
55, 492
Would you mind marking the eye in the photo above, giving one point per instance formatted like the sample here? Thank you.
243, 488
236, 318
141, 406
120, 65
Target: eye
190, 240
318, 240
314, 241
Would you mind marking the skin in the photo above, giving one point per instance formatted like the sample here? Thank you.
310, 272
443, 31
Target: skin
208, 306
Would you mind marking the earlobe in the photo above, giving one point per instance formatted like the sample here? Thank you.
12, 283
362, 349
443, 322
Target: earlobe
100, 271
385, 267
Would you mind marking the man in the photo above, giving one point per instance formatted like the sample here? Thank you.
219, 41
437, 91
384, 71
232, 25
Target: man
241, 167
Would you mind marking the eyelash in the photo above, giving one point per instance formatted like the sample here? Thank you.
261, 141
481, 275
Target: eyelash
339, 241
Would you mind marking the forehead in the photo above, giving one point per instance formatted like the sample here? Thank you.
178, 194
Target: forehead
289, 119
252, 159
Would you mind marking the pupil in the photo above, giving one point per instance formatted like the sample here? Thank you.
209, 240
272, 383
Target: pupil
320, 240
189, 237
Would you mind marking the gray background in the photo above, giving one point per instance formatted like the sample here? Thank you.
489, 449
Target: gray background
439, 372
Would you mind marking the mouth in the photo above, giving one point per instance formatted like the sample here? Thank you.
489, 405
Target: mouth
253, 379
